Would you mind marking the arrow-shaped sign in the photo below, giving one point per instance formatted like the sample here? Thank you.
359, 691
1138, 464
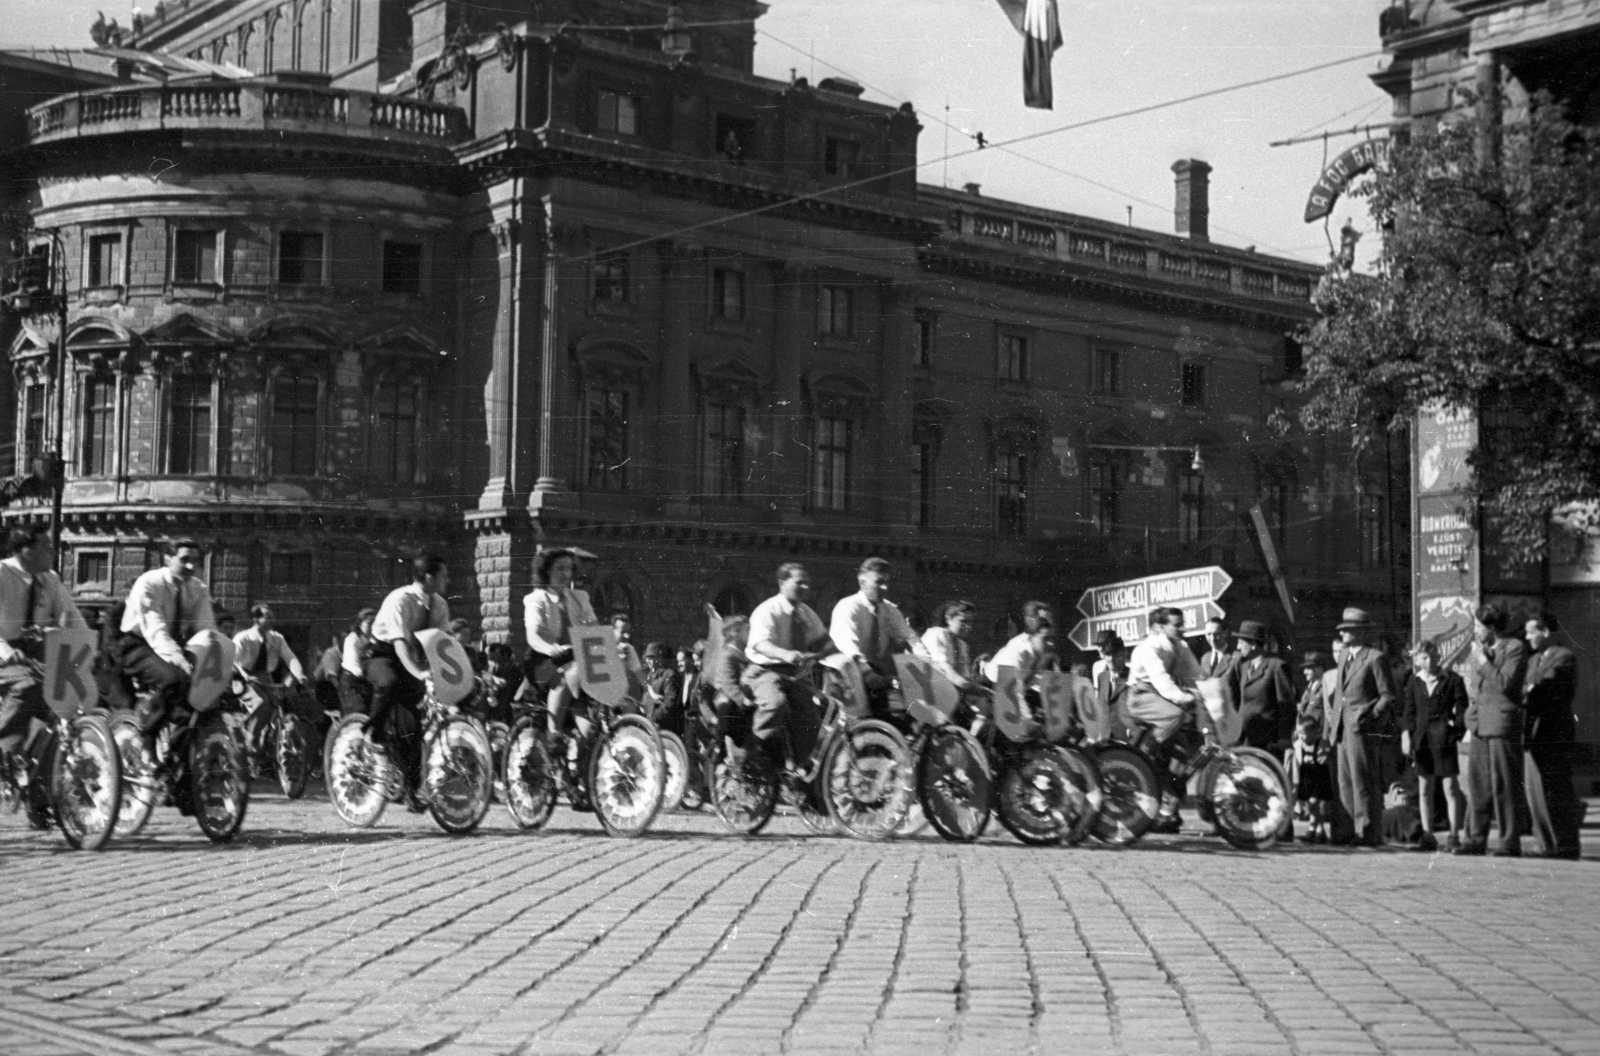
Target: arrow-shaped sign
1141, 595
1131, 626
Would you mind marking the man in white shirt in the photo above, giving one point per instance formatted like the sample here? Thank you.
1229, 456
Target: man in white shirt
32, 598
786, 637
869, 628
397, 668
166, 607
263, 653
1161, 676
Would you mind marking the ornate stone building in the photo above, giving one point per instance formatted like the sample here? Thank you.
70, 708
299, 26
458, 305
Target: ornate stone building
608, 287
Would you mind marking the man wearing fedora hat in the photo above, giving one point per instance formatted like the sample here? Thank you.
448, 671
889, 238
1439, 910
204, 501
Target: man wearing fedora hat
1261, 691
1365, 694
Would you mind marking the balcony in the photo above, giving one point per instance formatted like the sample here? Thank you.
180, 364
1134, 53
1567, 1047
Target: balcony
268, 104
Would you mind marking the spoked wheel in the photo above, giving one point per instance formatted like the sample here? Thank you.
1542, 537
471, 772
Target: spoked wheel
1084, 796
141, 787
954, 784
1039, 802
499, 736
676, 757
294, 754
86, 783
866, 776
743, 793
808, 805
530, 781
219, 779
569, 760
1131, 795
1249, 798
458, 774
359, 773
627, 775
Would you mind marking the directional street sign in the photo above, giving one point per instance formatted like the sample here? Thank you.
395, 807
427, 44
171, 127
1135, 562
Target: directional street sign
1124, 608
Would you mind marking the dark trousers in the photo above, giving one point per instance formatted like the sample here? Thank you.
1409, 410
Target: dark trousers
1359, 773
1553, 808
393, 715
1495, 790
167, 683
782, 703
355, 694
25, 719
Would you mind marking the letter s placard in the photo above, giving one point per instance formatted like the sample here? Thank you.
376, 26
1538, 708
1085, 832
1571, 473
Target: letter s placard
449, 666
69, 669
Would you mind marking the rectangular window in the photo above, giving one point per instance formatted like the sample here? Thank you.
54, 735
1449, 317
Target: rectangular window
99, 423
402, 268
735, 135
727, 293
1105, 490
1011, 495
609, 272
34, 419
93, 570
289, 570
1108, 372
293, 434
1194, 384
1374, 534
189, 426
1191, 506
105, 260
724, 451
925, 341
840, 157
922, 475
830, 469
395, 432
1013, 365
606, 459
617, 113
835, 309
300, 258
194, 256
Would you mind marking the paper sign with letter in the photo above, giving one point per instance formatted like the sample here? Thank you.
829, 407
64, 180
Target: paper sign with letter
69, 684
1010, 711
601, 672
1211, 693
448, 665
1056, 689
850, 671
213, 654
930, 697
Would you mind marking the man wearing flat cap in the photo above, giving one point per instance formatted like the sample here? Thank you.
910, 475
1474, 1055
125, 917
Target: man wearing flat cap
1262, 693
1365, 693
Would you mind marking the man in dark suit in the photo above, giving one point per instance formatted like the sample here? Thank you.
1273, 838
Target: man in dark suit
1219, 652
1551, 729
1494, 736
1262, 695
1365, 694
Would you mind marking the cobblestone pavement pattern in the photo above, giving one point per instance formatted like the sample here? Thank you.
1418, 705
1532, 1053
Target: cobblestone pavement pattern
306, 938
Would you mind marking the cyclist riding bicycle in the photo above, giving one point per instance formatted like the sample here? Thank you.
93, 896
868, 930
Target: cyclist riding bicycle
166, 607
31, 599
550, 612
870, 629
786, 637
1162, 675
397, 667
264, 657
355, 692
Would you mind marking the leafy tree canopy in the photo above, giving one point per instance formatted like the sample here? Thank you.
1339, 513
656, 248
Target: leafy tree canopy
1486, 297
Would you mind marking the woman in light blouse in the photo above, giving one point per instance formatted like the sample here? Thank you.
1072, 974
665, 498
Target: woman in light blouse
550, 611
946, 642
355, 692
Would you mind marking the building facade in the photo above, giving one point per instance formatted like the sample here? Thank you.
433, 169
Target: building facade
543, 285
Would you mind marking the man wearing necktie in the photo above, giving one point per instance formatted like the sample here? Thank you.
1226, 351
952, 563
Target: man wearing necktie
1261, 692
786, 636
166, 607
868, 627
31, 599
1365, 694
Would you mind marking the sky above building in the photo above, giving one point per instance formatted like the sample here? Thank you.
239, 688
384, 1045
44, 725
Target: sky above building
960, 63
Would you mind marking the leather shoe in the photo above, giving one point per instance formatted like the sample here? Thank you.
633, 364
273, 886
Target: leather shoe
1469, 850
1506, 851
1570, 854
1168, 823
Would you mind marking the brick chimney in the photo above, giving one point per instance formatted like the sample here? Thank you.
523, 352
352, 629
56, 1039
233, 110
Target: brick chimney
1192, 209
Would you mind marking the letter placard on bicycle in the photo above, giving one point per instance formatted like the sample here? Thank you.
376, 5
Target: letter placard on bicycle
601, 672
1010, 707
69, 683
930, 697
448, 664
213, 654
1055, 693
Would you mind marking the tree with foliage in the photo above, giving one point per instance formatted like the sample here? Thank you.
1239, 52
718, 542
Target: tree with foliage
1486, 297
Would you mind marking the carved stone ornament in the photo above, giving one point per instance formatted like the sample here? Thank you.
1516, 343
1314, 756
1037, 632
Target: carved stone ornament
505, 235
506, 46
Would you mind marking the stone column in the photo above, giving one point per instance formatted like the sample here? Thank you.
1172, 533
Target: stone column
898, 342
682, 307
559, 417
794, 320
513, 372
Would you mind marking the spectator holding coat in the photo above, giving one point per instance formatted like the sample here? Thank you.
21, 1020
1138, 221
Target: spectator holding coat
1494, 736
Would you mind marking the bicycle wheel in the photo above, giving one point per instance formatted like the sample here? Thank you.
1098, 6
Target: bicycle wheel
745, 793
141, 786
294, 754
1084, 796
1036, 796
1249, 798
809, 806
530, 783
458, 774
1131, 795
499, 736
955, 784
866, 779
676, 757
627, 775
359, 773
219, 779
86, 783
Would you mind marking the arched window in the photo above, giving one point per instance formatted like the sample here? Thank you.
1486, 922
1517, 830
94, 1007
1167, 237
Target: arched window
395, 430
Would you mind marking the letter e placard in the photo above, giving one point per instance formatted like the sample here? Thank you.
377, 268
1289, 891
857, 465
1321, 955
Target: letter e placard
69, 669
601, 672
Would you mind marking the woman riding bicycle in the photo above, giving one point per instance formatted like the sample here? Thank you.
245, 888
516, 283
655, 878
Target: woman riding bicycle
551, 610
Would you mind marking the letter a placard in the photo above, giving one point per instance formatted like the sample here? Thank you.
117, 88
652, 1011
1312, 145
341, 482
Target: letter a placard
213, 654
1010, 714
601, 672
449, 666
930, 697
69, 669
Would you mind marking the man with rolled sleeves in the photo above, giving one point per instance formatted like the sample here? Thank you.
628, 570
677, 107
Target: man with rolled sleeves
1365, 694
1551, 728
1499, 671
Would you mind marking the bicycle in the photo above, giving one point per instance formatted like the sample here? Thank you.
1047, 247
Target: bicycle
953, 779
283, 739
1045, 792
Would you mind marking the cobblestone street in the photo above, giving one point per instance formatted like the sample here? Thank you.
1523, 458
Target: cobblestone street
306, 938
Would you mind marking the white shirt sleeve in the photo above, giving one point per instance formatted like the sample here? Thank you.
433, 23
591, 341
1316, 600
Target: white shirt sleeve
843, 630
151, 595
1149, 665
289, 658
900, 631
764, 632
